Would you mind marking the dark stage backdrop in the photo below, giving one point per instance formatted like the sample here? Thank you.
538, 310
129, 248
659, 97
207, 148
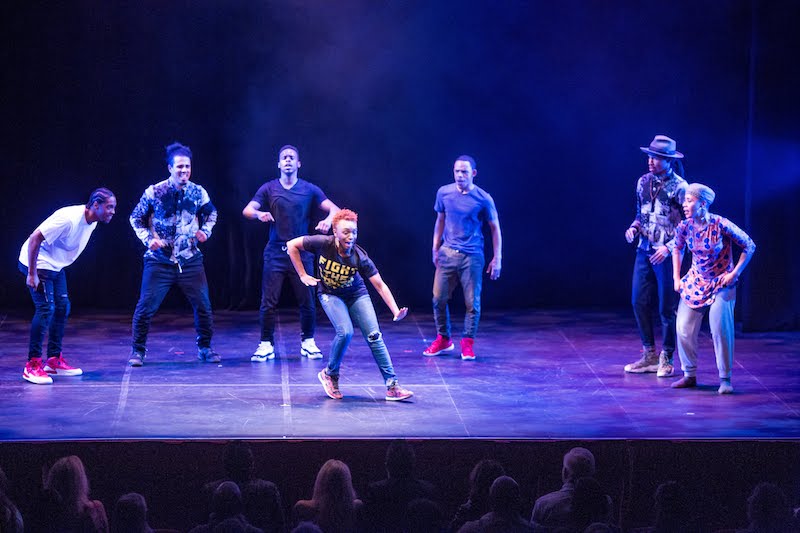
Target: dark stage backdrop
553, 99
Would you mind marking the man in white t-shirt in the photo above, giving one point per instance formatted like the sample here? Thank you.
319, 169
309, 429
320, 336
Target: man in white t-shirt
54, 245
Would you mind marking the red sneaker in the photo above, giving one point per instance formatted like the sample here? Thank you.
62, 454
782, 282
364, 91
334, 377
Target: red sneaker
467, 354
35, 373
58, 365
441, 344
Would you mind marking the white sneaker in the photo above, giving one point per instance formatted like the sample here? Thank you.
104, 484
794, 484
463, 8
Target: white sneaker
308, 348
263, 352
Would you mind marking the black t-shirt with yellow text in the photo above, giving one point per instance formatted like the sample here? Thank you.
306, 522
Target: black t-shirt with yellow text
341, 276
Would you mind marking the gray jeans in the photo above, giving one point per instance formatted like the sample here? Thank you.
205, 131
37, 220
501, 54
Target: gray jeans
720, 319
455, 267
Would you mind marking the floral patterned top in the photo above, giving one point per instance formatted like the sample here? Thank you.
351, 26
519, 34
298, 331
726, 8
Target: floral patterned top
174, 215
712, 256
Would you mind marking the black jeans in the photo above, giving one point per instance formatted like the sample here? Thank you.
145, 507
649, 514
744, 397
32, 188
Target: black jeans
278, 267
157, 279
51, 309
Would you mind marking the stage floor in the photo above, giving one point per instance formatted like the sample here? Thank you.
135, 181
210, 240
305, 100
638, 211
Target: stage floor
539, 375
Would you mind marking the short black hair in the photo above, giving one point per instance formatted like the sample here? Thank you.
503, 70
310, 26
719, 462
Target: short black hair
289, 147
468, 159
177, 148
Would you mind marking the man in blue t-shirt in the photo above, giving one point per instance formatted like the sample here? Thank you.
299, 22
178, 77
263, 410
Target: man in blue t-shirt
287, 202
461, 210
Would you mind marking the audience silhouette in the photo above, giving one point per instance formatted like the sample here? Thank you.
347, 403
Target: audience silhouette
67, 506
386, 501
334, 505
505, 516
261, 499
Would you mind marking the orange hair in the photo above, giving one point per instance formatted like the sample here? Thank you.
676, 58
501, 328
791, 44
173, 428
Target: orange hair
345, 214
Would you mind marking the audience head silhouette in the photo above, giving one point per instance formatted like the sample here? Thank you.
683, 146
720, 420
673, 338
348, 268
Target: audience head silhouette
238, 461
400, 459
227, 501
481, 478
504, 496
578, 462
768, 509
130, 514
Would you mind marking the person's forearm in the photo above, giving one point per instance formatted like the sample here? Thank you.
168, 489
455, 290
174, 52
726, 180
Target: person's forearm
438, 231
388, 299
332, 210
251, 212
34, 245
741, 264
497, 242
294, 255
677, 260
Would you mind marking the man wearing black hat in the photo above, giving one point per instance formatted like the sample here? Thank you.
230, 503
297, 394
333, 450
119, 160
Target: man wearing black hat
659, 195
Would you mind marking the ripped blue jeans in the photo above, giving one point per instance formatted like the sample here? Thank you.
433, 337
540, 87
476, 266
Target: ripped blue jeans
343, 316
51, 304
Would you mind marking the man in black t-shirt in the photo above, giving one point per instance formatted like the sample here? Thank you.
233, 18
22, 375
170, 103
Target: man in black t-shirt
287, 202
341, 290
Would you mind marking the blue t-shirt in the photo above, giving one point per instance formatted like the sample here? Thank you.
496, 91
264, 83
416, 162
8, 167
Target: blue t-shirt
291, 208
341, 276
464, 217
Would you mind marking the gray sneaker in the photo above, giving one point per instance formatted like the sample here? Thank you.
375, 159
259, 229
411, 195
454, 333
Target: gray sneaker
665, 368
137, 359
647, 363
208, 355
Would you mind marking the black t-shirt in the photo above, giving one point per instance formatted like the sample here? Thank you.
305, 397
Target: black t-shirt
341, 276
291, 208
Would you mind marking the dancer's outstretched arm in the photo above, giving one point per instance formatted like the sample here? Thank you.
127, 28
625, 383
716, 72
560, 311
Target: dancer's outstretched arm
388, 298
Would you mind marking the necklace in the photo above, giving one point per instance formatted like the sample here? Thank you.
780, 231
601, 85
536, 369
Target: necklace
655, 188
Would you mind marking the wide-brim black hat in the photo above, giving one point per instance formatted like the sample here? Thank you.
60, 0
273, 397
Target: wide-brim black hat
662, 146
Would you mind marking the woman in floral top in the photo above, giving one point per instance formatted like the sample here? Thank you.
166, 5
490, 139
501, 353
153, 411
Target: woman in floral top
709, 285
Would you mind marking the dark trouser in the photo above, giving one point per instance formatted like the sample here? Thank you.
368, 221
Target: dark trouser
51, 309
454, 267
277, 267
157, 279
653, 289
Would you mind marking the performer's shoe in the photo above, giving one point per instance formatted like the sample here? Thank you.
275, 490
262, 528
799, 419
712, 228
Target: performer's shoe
136, 359
308, 348
208, 355
58, 365
263, 352
665, 367
441, 344
725, 387
686, 382
396, 393
647, 363
467, 353
330, 384
35, 373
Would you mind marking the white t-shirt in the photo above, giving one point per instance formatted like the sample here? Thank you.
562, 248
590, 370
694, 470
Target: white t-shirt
66, 234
